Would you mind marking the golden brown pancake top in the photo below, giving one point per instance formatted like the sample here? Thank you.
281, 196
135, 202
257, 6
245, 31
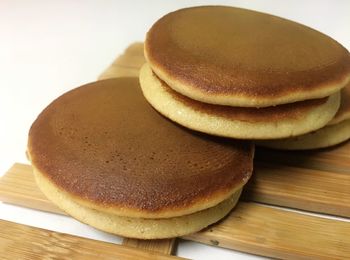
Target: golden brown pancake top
292, 111
105, 144
230, 51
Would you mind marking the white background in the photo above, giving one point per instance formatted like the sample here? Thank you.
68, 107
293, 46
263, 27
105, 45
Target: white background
49, 47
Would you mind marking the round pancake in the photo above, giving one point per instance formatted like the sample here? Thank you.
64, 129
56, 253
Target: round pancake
111, 151
244, 58
135, 227
244, 123
327, 136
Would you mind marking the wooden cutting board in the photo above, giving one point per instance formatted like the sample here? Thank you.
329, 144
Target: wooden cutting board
23, 242
317, 181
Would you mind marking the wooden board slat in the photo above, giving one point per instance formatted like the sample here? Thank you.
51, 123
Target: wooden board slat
277, 233
300, 188
115, 72
333, 159
23, 242
129, 61
135, 49
251, 227
18, 187
126, 65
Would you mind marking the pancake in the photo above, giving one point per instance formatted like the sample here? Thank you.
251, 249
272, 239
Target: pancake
237, 122
110, 151
327, 136
244, 58
335, 132
344, 109
135, 227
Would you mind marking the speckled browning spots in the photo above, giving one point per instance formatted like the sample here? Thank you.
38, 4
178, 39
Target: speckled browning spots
122, 153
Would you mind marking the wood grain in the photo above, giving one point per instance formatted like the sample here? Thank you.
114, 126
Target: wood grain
278, 233
18, 187
23, 242
333, 159
251, 227
126, 65
308, 189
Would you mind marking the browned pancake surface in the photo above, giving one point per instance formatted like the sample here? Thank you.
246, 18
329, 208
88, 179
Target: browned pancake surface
105, 144
237, 52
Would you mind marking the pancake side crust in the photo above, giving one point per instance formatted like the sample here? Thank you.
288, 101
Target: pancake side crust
135, 227
242, 123
344, 109
325, 137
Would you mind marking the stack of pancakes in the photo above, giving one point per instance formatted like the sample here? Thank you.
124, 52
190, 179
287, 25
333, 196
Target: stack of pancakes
102, 154
242, 74
106, 157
